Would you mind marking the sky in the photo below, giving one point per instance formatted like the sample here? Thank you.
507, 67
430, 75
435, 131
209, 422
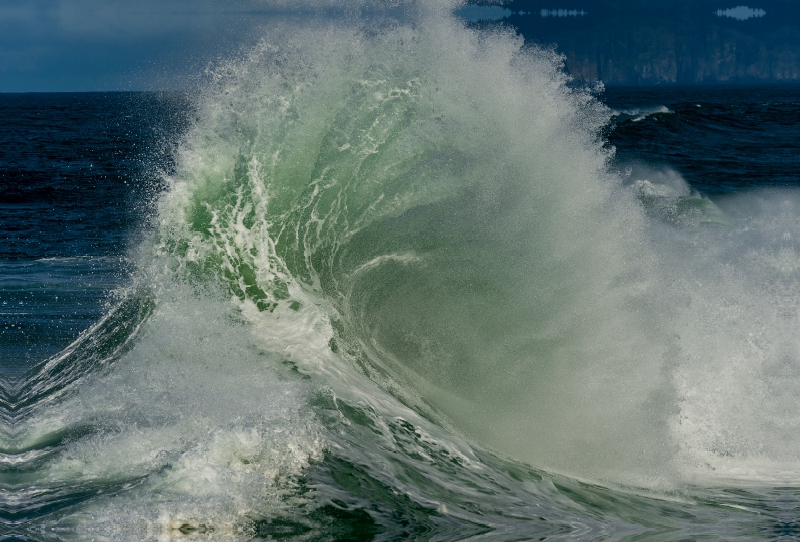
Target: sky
87, 45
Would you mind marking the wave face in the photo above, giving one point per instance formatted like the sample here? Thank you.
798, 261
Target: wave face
444, 197
394, 268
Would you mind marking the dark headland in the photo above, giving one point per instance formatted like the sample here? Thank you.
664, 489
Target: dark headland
635, 42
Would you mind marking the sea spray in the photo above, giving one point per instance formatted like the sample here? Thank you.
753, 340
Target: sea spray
737, 381
441, 195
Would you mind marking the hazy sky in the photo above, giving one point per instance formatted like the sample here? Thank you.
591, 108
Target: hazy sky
76, 45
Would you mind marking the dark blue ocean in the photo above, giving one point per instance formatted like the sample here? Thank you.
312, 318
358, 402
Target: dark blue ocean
362, 292
78, 171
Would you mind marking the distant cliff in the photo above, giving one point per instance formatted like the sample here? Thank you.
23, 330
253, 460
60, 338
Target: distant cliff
678, 41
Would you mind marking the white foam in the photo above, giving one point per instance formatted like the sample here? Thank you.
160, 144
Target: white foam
202, 421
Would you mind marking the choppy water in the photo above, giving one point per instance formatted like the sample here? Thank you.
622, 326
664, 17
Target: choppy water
398, 279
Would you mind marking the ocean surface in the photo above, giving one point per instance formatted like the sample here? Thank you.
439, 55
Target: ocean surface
400, 281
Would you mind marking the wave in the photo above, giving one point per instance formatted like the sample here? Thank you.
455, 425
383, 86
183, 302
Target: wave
299, 195
439, 200
406, 250
637, 114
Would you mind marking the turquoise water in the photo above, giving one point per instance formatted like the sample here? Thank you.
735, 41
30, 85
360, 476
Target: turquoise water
394, 281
